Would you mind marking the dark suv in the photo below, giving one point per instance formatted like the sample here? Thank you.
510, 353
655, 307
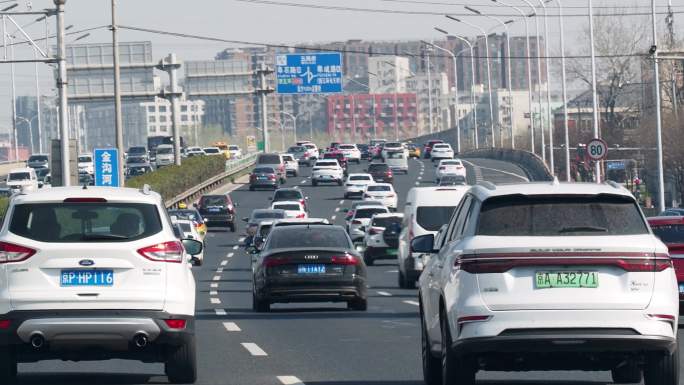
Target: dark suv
217, 210
381, 173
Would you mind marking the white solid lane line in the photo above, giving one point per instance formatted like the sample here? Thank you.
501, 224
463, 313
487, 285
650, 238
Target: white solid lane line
231, 327
213, 293
215, 301
384, 294
216, 278
214, 285
254, 349
220, 311
414, 303
290, 380
223, 263
392, 271
230, 255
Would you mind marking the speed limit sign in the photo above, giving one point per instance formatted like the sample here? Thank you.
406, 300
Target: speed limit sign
597, 149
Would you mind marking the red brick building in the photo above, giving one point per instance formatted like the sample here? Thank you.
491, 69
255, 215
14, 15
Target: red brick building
364, 116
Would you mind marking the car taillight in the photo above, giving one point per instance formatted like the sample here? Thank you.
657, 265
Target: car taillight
14, 253
164, 252
473, 318
350, 214
388, 173
272, 177
344, 260
301, 216
5, 324
500, 263
356, 222
175, 323
302, 201
252, 176
276, 261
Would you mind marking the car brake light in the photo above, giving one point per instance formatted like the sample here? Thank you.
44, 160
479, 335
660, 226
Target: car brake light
276, 261
14, 253
473, 318
175, 323
356, 222
164, 252
344, 260
5, 324
272, 177
301, 216
85, 200
662, 317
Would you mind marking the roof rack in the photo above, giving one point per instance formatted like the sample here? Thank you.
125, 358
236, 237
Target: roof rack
487, 184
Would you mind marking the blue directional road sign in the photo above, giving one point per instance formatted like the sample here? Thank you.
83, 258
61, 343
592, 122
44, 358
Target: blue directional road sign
107, 167
309, 73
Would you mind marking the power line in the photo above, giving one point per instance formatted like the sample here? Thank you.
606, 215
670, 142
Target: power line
320, 49
426, 13
419, 2
66, 34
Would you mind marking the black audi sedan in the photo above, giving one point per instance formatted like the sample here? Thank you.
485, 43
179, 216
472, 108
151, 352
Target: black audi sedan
309, 263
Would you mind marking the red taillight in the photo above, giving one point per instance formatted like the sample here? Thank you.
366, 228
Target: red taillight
175, 323
85, 200
388, 173
662, 317
276, 261
473, 318
302, 201
14, 253
164, 252
301, 216
350, 214
252, 176
5, 324
356, 222
344, 260
500, 263
272, 177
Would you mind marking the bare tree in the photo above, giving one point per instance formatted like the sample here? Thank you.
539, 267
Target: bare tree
618, 39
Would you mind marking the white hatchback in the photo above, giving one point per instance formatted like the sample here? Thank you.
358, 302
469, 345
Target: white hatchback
549, 276
450, 167
293, 209
356, 183
381, 192
95, 270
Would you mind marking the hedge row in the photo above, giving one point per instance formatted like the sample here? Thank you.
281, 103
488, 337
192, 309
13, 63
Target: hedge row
4, 203
171, 181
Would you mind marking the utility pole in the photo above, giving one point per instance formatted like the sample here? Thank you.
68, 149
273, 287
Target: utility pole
263, 92
429, 76
62, 92
171, 66
671, 45
659, 126
13, 91
118, 124
38, 105
597, 167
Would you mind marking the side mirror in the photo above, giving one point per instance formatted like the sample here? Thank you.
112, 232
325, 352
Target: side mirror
423, 244
192, 246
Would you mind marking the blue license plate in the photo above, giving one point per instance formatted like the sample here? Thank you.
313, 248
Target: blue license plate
87, 278
311, 269
681, 288
214, 209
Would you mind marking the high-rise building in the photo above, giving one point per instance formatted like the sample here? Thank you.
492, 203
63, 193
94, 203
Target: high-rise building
160, 119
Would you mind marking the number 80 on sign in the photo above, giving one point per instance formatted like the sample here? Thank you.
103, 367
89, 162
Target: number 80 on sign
597, 149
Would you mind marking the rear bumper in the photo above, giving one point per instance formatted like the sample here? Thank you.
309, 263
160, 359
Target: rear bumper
263, 183
328, 290
218, 219
381, 252
93, 335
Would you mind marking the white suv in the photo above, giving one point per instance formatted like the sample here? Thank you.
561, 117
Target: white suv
549, 276
327, 171
95, 274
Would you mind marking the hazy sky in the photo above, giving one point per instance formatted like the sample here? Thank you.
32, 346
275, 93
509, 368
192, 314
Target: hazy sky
249, 21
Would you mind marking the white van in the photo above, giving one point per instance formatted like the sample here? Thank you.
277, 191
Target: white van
426, 210
397, 161
22, 180
165, 155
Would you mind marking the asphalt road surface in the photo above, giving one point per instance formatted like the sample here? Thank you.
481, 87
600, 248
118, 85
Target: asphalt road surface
317, 344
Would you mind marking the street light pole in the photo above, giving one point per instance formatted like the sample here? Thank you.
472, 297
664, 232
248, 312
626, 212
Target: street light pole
489, 73
30, 123
294, 122
659, 127
429, 76
565, 93
63, 97
458, 124
548, 88
597, 166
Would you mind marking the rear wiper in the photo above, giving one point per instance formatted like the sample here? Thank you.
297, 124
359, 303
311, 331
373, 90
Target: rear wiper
103, 237
581, 229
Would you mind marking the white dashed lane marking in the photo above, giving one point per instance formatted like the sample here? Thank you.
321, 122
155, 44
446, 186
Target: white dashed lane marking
337, 210
230, 255
223, 263
254, 349
290, 380
333, 217
231, 327
414, 303
342, 202
216, 278
236, 247
242, 239
392, 271
215, 301
214, 285
213, 292
220, 311
384, 294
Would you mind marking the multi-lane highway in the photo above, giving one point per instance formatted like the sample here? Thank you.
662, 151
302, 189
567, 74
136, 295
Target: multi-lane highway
321, 344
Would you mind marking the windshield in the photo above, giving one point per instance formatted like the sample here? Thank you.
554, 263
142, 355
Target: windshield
379, 188
264, 170
18, 176
269, 159
164, 151
309, 237
670, 233
360, 177
560, 216
212, 150
288, 195
85, 222
386, 222
268, 214
431, 218
38, 158
291, 207
368, 213
85, 159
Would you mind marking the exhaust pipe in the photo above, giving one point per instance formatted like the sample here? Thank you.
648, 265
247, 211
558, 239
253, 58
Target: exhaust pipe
37, 341
140, 340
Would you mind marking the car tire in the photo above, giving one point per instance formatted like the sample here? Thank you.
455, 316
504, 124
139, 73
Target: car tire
314, 183
432, 366
662, 368
627, 374
294, 174
259, 305
8, 365
283, 180
232, 227
358, 304
403, 282
368, 258
456, 370
181, 363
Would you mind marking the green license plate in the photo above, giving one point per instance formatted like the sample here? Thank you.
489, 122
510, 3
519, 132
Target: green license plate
566, 279
391, 251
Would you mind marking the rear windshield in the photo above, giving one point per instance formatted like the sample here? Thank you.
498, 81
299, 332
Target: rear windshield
326, 164
367, 203
298, 236
392, 144
296, 149
378, 167
379, 188
212, 150
185, 227
38, 158
288, 158
137, 150
441, 146
386, 222
310, 146
395, 155
83, 159
368, 213
269, 159
135, 159
264, 170
346, 147
564, 216
190, 215
85, 222
164, 151
233, 148
360, 177
669, 233
18, 176
269, 215
292, 207
213, 201
431, 218
451, 163
288, 195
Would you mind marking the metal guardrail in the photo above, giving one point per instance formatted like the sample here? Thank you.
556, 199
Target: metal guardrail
233, 167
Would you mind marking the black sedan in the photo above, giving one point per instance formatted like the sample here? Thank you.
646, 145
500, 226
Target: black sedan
309, 263
263, 177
